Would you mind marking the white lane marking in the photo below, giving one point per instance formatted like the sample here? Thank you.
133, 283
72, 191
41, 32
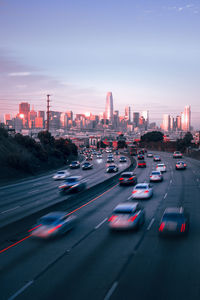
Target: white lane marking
130, 197
5, 211
171, 181
32, 192
111, 290
165, 196
99, 225
197, 179
150, 224
21, 290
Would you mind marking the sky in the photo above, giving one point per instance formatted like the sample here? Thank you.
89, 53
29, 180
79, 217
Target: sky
147, 52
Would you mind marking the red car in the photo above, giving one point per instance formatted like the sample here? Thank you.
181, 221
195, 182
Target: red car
142, 164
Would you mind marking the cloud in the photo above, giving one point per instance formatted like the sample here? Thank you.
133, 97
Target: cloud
19, 74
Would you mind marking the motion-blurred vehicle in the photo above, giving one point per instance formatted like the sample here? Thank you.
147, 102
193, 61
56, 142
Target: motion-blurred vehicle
157, 158
112, 169
74, 165
88, 158
87, 166
108, 150
73, 184
141, 152
110, 159
175, 220
127, 215
140, 157
181, 165
122, 159
99, 156
53, 224
161, 168
142, 191
177, 154
142, 164
149, 154
128, 178
156, 176
61, 175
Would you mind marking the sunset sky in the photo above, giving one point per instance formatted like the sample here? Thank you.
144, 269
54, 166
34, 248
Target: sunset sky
147, 52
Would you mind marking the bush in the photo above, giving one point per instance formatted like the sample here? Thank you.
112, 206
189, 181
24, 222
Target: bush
19, 161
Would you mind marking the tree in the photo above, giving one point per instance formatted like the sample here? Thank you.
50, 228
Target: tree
187, 139
46, 138
153, 136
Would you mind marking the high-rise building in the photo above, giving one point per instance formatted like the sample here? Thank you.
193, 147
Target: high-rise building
178, 122
186, 118
128, 113
145, 115
24, 109
166, 122
136, 117
109, 108
7, 117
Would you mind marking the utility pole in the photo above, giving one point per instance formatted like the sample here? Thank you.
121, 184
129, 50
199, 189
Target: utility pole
48, 111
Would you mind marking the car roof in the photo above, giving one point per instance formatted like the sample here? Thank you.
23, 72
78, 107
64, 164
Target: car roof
160, 165
74, 177
128, 173
112, 166
130, 205
174, 210
142, 184
55, 214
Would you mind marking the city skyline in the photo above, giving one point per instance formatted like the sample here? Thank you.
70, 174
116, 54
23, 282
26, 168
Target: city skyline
147, 53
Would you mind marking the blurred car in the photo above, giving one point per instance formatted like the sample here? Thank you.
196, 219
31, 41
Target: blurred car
142, 164
157, 158
116, 152
141, 152
149, 154
156, 176
53, 224
128, 178
88, 158
177, 154
73, 184
181, 165
127, 215
110, 160
175, 220
112, 169
140, 157
61, 175
99, 156
161, 168
108, 150
122, 159
74, 165
142, 191
87, 166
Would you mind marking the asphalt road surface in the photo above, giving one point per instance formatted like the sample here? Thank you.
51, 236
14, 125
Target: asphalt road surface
90, 262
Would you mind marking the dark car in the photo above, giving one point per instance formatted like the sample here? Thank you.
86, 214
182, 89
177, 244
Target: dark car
142, 164
87, 166
53, 224
73, 184
74, 165
127, 216
112, 169
122, 159
175, 220
110, 159
181, 165
157, 158
128, 178
140, 157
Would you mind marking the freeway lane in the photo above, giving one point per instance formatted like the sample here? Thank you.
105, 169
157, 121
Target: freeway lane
21, 199
90, 262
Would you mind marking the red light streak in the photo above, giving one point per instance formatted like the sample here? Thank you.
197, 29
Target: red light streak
34, 228
162, 225
3, 250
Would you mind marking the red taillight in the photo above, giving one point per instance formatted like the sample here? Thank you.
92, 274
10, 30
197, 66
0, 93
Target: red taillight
162, 225
112, 218
133, 192
183, 227
130, 178
184, 165
121, 179
146, 191
151, 176
133, 218
55, 228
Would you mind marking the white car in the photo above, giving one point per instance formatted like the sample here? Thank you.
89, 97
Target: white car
142, 191
161, 168
149, 154
156, 176
61, 175
177, 154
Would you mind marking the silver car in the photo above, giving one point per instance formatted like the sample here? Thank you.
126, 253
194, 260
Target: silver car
156, 176
61, 175
127, 216
161, 168
142, 191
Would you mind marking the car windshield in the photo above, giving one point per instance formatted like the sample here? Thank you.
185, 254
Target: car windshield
127, 175
141, 187
160, 166
123, 210
74, 162
111, 167
49, 220
173, 217
155, 173
71, 180
60, 172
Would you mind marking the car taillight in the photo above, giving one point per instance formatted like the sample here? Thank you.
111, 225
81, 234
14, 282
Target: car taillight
112, 218
184, 165
130, 178
121, 179
151, 176
55, 228
133, 192
146, 191
183, 227
162, 225
133, 218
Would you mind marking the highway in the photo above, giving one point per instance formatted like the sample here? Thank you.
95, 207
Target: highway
27, 196
90, 262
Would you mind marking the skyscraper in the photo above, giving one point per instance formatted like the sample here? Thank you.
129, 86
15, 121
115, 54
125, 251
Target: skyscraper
109, 107
186, 118
128, 113
136, 117
166, 122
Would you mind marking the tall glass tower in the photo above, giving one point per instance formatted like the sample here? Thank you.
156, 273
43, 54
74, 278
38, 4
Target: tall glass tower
109, 107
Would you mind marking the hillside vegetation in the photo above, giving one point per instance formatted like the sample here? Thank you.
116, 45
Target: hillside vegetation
21, 155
